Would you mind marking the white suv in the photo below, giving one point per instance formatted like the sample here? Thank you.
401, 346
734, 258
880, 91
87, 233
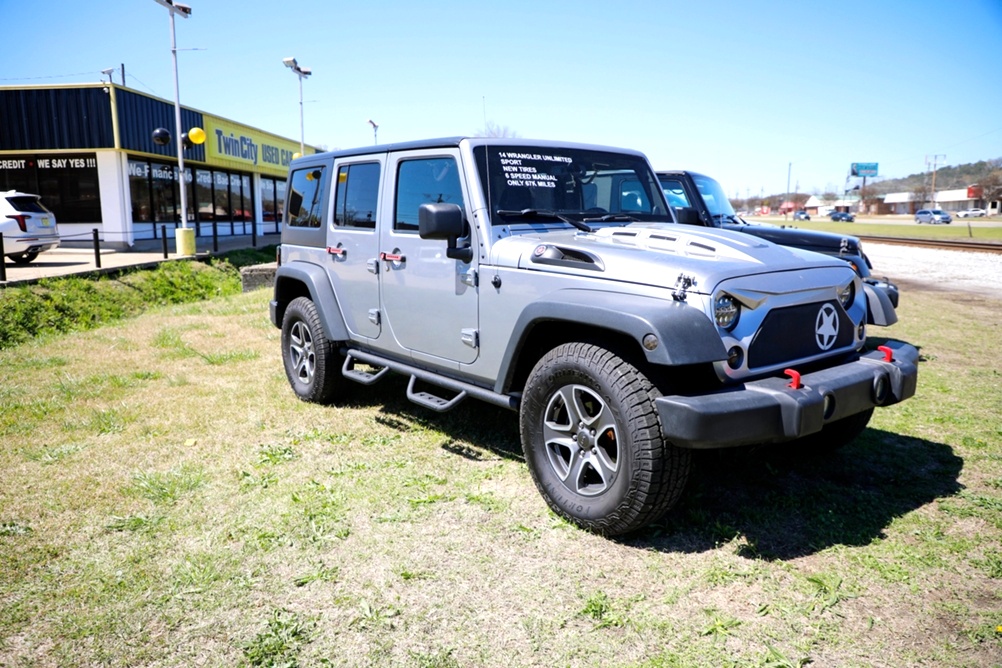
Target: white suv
28, 228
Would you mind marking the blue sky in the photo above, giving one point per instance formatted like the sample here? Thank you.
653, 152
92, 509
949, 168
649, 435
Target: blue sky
736, 89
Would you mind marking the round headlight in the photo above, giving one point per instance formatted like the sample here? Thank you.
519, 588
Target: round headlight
846, 294
725, 311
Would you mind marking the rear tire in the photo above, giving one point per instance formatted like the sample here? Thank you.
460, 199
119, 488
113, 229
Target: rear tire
592, 439
311, 361
23, 258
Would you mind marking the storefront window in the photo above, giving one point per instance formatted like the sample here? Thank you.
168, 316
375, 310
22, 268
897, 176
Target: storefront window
268, 200
236, 201
139, 187
222, 195
245, 185
67, 184
279, 198
164, 209
203, 195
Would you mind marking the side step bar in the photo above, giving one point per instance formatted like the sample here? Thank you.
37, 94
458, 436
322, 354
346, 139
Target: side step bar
426, 399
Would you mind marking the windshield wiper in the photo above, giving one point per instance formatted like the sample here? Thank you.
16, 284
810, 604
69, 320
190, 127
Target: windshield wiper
728, 216
533, 213
613, 217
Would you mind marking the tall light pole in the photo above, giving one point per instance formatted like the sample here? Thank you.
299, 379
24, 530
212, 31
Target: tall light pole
185, 11
375, 129
302, 73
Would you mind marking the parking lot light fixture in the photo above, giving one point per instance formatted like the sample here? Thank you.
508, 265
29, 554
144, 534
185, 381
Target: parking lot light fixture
302, 73
375, 129
184, 11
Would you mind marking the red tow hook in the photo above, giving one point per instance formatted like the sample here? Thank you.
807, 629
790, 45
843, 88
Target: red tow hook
794, 378
888, 353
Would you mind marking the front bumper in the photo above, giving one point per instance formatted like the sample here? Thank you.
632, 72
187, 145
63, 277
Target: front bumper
770, 411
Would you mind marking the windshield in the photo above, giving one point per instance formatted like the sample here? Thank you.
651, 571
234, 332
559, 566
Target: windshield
713, 195
533, 184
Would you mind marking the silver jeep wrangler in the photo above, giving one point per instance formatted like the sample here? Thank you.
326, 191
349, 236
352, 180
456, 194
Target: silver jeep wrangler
552, 279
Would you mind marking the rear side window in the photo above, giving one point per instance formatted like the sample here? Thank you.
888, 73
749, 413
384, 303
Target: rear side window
422, 181
357, 195
26, 204
303, 198
674, 192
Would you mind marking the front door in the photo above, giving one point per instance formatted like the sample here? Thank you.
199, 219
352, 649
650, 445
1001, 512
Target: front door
429, 301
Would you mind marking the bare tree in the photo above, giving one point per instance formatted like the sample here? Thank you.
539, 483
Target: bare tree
920, 193
492, 129
991, 188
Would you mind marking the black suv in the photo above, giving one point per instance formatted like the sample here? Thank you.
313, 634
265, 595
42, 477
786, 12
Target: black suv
843, 216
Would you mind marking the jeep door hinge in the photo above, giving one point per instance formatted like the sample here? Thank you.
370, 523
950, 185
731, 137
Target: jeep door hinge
374, 316
470, 278
470, 337
372, 265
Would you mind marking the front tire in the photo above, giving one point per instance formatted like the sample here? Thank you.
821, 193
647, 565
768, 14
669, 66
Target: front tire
311, 361
592, 439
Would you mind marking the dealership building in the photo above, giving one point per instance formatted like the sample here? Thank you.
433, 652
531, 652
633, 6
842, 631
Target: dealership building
88, 150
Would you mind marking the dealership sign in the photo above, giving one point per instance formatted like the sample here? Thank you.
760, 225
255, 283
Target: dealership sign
864, 169
233, 145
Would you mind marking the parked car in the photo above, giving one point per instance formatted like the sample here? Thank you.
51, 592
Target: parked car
553, 280
971, 213
932, 216
843, 216
28, 228
801, 215
700, 200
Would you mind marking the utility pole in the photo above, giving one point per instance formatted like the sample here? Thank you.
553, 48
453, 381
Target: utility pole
935, 159
789, 168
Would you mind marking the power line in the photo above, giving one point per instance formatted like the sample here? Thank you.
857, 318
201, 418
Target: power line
51, 76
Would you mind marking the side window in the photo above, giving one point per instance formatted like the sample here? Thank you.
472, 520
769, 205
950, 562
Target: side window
632, 197
421, 181
303, 198
675, 193
357, 195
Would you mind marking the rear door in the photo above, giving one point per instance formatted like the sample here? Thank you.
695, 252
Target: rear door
352, 242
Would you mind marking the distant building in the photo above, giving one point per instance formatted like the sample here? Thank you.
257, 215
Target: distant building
956, 199
88, 150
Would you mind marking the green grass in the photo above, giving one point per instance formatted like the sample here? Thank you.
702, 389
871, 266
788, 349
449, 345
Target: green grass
158, 507
962, 229
68, 304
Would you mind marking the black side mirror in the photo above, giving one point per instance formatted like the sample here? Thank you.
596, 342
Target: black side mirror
687, 215
444, 221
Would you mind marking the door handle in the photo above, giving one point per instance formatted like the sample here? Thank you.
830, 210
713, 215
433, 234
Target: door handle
391, 257
340, 252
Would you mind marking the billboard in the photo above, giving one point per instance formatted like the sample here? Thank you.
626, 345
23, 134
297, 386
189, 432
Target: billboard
864, 169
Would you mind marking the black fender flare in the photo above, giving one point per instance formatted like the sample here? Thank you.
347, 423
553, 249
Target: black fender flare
879, 309
316, 281
685, 334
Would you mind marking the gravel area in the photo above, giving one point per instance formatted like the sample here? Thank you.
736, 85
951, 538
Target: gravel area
934, 269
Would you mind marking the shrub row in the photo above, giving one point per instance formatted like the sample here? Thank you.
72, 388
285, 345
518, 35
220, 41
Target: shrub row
59, 305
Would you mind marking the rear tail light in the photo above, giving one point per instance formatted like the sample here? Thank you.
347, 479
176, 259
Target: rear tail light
22, 221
